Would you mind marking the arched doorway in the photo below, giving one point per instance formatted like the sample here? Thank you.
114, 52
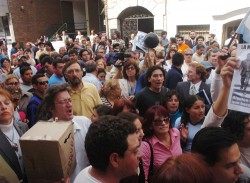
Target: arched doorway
135, 19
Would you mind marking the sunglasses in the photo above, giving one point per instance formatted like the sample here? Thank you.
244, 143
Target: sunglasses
42, 83
159, 122
189, 54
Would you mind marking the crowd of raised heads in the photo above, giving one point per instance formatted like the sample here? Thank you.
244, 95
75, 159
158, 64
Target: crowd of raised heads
138, 116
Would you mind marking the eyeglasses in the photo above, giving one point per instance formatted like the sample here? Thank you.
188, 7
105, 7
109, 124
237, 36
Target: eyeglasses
158, 122
12, 84
130, 68
65, 101
42, 83
188, 54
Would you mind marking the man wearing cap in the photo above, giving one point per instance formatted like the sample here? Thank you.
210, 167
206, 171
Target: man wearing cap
22, 59
213, 60
40, 51
209, 69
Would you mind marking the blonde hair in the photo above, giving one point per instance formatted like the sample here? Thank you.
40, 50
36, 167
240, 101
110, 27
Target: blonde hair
110, 85
10, 76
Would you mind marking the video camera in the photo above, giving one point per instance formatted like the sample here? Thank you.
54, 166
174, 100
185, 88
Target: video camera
113, 57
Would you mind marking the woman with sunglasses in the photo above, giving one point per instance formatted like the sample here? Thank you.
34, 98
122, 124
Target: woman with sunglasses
130, 73
159, 134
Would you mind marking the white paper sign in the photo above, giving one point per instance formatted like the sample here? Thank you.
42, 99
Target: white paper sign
239, 97
139, 41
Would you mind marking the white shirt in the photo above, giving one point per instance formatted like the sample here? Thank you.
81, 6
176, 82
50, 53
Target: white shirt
184, 69
81, 126
84, 176
197, 86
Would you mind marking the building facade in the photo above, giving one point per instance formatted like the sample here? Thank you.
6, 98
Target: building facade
26, 20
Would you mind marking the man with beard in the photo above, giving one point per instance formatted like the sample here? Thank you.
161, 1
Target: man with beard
84, 95
57, 77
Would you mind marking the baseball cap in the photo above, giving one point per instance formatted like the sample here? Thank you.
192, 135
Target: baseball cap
207, 65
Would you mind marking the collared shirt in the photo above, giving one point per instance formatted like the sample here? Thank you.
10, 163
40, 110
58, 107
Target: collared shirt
161, 152
197, 86
85, 100
91, 78
81, 126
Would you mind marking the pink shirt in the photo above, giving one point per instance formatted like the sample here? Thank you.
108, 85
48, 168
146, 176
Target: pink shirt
161, 152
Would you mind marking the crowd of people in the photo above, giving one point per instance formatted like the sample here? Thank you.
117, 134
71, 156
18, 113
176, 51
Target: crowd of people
137, 116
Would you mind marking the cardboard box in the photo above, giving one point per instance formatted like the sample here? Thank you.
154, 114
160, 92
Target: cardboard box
48, 151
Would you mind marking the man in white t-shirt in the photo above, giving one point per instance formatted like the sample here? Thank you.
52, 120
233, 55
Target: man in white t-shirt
112, 148
58, 103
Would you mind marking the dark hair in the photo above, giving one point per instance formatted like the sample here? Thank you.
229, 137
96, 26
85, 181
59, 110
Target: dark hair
35, 77
187, 104
234, 123
177, 59
46, 59
73, 51
102, 109
3, 59
163, 33
150, 72
42, 56
188, 168
27, 50
49, 97
129, 116
100, 70
120, 104
118, 34
181, 37
169, 51
106, 136
83, 50
24, 69
48, 43
57, 61
169, 95
14, 44
149, 118
210, 141
200, 37
126, 65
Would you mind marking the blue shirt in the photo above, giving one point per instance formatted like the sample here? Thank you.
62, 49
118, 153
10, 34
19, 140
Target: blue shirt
54, 79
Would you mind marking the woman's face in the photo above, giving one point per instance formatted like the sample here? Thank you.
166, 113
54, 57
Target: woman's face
196, 112
130, 71
6, 64
173, 104
172, 53
160, 125
100, 64
116, 92
6, 110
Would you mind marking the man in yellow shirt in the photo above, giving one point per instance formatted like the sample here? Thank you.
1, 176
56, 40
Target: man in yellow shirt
84, 95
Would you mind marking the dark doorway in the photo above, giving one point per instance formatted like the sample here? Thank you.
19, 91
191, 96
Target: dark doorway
146, 25
68, 16
135, 19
